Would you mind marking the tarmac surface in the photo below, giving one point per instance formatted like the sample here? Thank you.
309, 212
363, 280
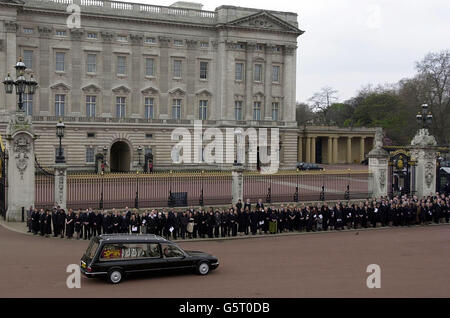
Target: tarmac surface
415, 262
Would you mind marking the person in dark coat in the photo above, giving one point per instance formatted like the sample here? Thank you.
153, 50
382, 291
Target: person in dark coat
217, 222
183, 221
78, 222
98, 223
61, 220
48, 224
70, 226
210, 223
125, 223
29, 219
224, 231
55, 213
232, 219
42, 222
254, 219
35, 221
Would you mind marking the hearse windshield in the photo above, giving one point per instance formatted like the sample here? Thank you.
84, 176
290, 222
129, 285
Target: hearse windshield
92, 248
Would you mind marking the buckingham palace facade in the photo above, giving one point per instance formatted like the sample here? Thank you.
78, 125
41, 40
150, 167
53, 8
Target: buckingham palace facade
128, 74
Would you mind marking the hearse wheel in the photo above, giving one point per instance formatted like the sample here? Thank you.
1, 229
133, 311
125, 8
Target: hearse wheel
115, 276
203, 268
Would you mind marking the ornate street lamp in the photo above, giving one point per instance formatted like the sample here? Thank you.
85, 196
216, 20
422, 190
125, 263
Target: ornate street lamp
60, 134
23, 86
425, 118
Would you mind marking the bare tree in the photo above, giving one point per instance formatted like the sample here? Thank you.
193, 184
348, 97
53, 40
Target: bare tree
303, 113
433, 88
322, 100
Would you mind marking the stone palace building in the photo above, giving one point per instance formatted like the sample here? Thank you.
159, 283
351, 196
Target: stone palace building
128, 74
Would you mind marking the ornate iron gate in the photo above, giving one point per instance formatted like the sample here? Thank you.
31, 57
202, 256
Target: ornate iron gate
401, 173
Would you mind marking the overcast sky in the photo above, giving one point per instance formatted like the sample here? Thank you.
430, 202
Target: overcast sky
351, 43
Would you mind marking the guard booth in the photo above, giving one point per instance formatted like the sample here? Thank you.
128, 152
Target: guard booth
3, 185
401, 171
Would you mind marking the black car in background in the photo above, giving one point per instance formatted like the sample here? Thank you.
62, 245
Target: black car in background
115, 255
308, 166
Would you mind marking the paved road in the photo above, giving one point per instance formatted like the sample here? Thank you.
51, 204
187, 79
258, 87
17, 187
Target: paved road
415, 262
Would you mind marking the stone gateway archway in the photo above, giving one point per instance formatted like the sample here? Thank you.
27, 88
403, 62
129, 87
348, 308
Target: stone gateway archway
120, 157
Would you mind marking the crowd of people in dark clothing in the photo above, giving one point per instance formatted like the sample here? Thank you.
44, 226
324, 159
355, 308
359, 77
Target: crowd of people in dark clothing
243, 218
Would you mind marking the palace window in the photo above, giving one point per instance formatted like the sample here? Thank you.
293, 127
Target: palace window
239, 72
60, 102
203, 70
120, 106
92, 35
178, 42
28, 30
257, 111
238, 110
91, 63
90, 105
28, 58
275, 111
275, 74
61, 32
122, 38
177, 64
149, 107
90, 158
257, 73
176, 109
150, 40
149, 67
60, 61
121, 65
202, 109
28, 104
204, 44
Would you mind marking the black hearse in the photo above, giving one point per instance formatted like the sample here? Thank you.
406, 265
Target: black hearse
114, 255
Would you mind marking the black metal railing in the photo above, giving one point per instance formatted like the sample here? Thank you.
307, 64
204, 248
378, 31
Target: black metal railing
191, 189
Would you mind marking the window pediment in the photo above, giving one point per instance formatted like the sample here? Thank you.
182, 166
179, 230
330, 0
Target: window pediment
122, 89
177, 91
91, 88
150, 91
203, 92
60, 86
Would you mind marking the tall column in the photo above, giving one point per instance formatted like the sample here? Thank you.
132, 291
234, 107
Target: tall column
313, 149
136, 108
330, 150
289, 82
361, 149
75, 64
164, 61
335, 149
108, 75
300, 149
249, 81
21, 170
349, 149
308, 149
61, 185
45, 68
424, 152
237, 184
268, 83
